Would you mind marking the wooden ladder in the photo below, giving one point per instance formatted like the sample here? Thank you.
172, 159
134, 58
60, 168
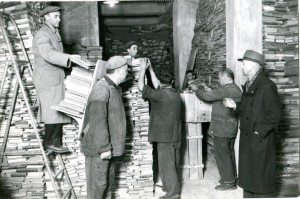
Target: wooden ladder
19, 67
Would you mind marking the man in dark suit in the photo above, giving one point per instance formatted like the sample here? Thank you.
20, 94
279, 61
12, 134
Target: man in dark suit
259, 112
224, 126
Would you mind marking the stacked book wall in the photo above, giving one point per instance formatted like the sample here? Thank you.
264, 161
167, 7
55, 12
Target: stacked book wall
22, 175
134, 170
280, 38
210, 39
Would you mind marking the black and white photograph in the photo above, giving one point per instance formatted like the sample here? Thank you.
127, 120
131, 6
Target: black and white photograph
149, 99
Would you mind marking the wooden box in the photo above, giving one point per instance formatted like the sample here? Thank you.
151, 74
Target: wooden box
191, 164
195, 110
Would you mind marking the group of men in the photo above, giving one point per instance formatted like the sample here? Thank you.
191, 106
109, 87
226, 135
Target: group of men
104, 128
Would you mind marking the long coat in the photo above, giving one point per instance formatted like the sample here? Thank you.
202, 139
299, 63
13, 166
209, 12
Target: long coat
223, 122
48, 73
260, 111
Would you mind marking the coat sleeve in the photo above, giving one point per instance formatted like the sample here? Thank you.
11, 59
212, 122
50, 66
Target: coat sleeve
48, 53
152, 94
273, 111
211, 96
97, 120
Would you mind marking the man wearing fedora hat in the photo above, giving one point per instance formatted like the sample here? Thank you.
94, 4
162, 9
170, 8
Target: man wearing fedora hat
48, 77
104, 129
259, 112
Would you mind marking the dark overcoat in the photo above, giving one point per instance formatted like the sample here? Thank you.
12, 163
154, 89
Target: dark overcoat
49, 74
259, 111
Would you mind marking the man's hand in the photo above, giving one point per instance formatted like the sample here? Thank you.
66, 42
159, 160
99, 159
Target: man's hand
193, 87
229, 103
105, 155
144, 64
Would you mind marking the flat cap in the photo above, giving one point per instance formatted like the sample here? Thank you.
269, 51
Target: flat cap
116, 62
49, 9
129, 44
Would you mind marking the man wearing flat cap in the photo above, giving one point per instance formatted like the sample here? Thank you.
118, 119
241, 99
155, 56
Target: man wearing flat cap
259, 112
48, 77
104, 129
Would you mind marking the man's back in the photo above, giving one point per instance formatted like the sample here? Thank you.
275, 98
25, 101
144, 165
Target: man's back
165, 115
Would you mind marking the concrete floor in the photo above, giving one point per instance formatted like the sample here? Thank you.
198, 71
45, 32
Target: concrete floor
204, 188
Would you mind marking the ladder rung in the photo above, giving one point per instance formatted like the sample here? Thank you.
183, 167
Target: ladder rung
59, 172
22, 61
67, 193
13, 37
22, 153
49, 153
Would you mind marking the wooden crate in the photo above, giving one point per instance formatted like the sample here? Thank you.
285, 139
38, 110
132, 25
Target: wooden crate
195, 110
191, 164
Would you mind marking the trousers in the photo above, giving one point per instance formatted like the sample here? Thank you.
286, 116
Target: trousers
100, 177
225, 158
53, 135
168, 161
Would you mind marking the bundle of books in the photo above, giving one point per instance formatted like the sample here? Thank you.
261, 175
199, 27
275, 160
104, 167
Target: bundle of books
83, 62
280, 31
78, 86
92, 53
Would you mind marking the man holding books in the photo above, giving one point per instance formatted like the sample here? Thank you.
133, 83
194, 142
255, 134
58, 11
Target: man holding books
132, 49
104, 129
164, 127
48, 77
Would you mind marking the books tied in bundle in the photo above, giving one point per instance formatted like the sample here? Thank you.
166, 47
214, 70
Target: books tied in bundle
85, 63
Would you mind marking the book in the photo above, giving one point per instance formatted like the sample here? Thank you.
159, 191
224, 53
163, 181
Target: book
85, 63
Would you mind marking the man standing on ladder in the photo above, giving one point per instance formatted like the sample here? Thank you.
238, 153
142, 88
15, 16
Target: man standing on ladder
48, 77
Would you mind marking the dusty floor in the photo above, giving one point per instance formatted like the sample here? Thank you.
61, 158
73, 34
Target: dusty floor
204, 188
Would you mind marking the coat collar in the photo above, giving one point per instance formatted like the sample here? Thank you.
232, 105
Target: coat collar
52, 29
110, 82
254, 85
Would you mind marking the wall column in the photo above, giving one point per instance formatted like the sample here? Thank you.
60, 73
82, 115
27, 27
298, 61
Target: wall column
243, 32
184, 19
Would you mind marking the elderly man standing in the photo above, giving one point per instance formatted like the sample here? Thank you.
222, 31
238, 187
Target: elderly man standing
48, 77
224, 126
259, 112
104, 129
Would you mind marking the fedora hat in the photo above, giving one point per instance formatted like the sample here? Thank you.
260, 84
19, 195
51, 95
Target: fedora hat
251, 55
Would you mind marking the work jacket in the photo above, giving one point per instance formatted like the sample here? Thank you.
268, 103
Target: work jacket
223, 122
104, 125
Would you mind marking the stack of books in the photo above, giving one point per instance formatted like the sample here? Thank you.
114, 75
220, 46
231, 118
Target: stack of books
280, 37
23, 175
91, 53
78, 86
134, 171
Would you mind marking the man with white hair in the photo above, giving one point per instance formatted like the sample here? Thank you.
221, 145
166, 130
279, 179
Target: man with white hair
259, 112
104, 129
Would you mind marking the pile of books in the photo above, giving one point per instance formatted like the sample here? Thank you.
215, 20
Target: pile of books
83, 62
134, 172
280, 37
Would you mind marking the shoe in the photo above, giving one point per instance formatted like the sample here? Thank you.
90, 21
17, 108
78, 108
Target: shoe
226, 187
58, 149
170, 197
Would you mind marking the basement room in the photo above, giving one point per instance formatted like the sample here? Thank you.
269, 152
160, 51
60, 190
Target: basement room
142, 99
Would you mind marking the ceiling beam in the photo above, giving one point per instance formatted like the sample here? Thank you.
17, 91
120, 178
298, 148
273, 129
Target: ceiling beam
131, 21
134, 9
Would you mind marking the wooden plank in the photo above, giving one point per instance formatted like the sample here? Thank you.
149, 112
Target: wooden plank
193, 151
200, 155
184, 155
